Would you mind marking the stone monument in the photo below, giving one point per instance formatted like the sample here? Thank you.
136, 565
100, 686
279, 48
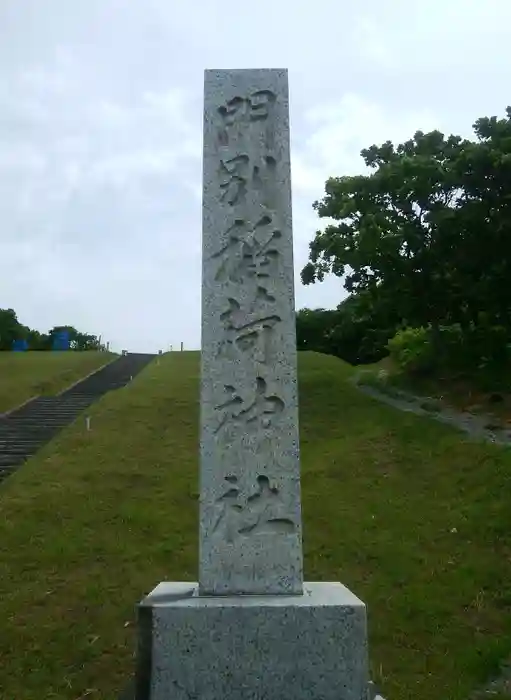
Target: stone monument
250, 628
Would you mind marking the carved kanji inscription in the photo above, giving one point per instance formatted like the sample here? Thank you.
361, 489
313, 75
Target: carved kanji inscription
239, 174
248, 355
258, 406
261, 512
243, 111
247, 332
249, 250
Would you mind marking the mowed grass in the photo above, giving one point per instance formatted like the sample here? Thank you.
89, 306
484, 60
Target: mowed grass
27, 374
404, 511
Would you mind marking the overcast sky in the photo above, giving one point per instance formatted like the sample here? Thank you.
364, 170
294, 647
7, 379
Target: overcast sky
101, 135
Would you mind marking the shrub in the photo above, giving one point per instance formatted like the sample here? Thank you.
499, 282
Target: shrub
451, 348
411, 349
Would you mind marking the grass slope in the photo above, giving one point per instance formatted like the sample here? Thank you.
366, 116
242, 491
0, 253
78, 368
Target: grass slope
412, 518
27, 374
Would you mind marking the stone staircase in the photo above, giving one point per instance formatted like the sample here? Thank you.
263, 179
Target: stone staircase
24, 431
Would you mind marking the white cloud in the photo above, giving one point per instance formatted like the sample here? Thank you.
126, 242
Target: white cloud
373, 44
338, 131
22, 158
101, 135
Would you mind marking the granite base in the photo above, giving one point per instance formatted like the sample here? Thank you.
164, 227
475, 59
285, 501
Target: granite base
312, 646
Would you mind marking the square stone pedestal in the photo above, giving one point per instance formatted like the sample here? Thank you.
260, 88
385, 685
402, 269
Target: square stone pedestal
312, 646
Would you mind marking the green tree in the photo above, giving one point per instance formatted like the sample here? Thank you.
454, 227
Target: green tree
427, 231
313, 327
78, 341
484, 257
356, 331
363, 327
10, 329
37, 340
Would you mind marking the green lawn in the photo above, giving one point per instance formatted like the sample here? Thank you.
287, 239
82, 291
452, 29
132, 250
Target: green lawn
27, 374
405, 512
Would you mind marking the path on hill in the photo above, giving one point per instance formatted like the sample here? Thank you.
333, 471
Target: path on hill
499, 686
25, 430
477, 426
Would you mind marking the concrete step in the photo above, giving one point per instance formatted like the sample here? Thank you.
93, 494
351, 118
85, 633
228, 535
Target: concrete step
24, 431
7, 471
17, 448
8, 460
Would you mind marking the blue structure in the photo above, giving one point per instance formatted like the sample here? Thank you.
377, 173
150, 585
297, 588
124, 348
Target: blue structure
19, 345
61, 341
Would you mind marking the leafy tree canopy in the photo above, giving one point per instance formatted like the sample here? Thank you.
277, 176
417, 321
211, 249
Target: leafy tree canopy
11, 330
427, 232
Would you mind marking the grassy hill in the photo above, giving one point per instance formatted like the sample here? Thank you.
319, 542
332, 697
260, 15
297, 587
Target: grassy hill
27, 374
404, 511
